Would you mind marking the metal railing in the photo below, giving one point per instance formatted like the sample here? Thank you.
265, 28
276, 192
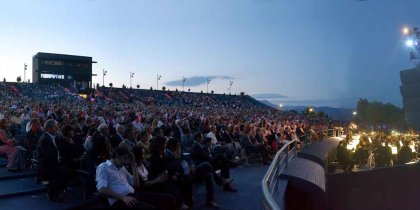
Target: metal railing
269, 182
280, 162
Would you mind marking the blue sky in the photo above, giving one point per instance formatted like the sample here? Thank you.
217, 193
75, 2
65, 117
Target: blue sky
328, 52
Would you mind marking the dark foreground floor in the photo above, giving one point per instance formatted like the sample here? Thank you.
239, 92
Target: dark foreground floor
247, 180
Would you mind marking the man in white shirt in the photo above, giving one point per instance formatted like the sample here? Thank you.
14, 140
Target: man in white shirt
212, 135
115, 182
137, 124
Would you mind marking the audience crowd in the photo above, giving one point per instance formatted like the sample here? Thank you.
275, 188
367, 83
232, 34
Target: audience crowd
142, 148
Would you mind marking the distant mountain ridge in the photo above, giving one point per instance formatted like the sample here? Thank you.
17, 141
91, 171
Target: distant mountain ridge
335, 113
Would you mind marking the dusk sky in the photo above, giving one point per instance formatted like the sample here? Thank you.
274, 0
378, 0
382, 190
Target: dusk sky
306, 52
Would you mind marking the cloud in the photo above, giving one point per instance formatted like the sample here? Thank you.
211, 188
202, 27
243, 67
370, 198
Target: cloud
196, 80
268, 96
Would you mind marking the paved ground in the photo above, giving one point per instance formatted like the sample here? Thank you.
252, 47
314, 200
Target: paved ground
246, 179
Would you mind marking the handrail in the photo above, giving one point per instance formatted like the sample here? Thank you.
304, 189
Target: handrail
269, 181
271, 177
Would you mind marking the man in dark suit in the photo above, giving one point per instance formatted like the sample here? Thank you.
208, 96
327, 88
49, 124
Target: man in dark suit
384, 156
405, 154
176, 129
118, 137
253, 148
201, 153
50, 168
181, 167
344, 156
178, 175
32, 137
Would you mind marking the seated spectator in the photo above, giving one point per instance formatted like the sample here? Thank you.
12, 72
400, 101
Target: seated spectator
118, 137
253, 148
101, 149
177, 176
181, 169
143, 141
32, 137
186, 139
15, 119
9, 146
157, 161
51, 168
71, 151
212, 135
138, 126
176, 129
139, 155
129, 139
200, 153
24, 118
118, 185
88, 142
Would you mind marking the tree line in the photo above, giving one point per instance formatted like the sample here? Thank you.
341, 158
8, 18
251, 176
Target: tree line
375, 112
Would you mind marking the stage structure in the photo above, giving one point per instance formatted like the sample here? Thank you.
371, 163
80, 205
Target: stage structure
410, 80
68, 70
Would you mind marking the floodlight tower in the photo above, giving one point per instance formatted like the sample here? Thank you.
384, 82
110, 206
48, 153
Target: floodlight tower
412, 41
183, 83
230, 87
131, 76
208, 82
157, 81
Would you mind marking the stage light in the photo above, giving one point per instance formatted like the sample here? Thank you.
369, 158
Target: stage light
406, 31
394, 150
409, 43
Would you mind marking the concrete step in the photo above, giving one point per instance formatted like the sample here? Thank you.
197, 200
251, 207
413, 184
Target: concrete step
3, 162
6, 174
17, 187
